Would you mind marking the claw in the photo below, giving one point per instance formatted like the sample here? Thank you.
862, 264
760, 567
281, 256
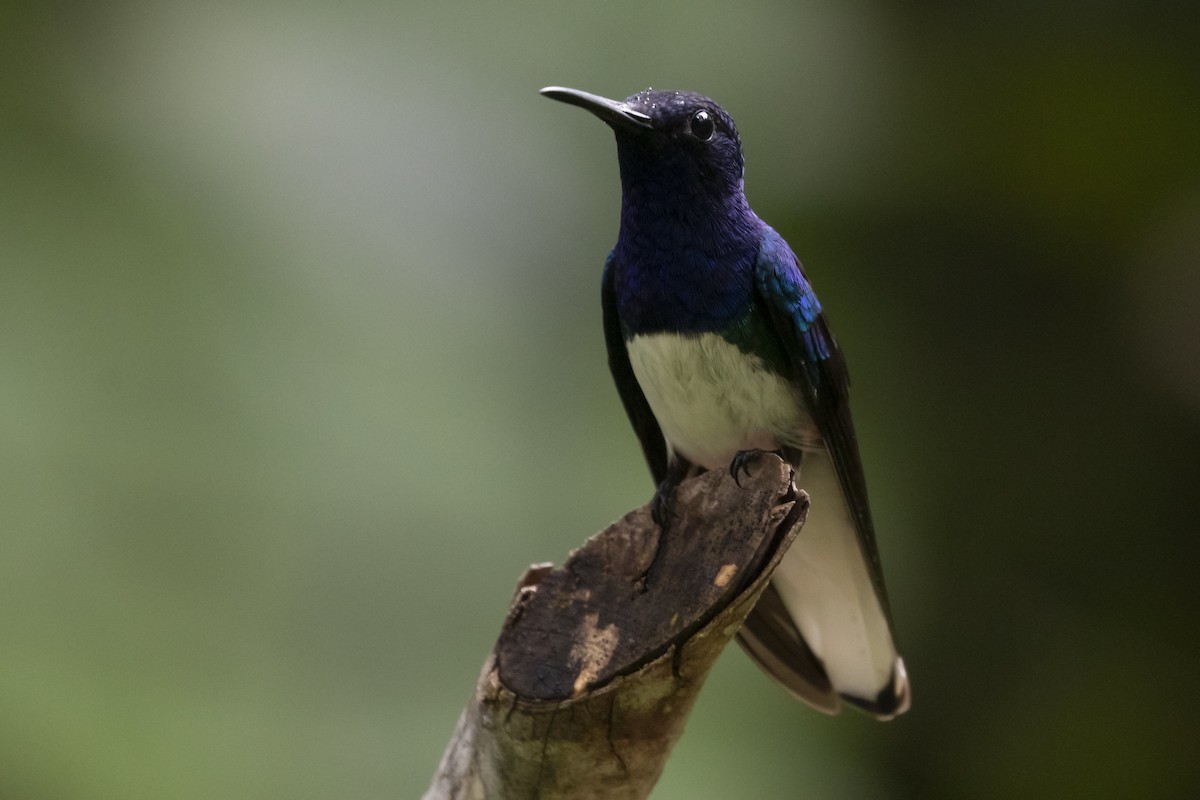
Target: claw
661, 513
741, 464
660, 506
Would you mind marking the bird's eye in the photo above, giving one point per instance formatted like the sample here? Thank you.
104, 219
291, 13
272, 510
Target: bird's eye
703, 125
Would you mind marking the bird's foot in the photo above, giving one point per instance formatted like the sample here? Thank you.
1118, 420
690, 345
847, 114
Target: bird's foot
660, 505
741, 462
662, 513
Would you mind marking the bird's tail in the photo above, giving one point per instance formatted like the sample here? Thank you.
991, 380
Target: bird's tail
821, 629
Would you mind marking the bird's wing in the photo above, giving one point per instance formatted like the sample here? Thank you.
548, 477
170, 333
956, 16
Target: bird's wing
820, 370
654, 446
772, 639
826, 630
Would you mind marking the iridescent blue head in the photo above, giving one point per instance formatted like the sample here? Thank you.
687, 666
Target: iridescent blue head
674, 145
683, 208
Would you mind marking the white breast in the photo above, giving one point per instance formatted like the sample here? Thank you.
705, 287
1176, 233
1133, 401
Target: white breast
712, 400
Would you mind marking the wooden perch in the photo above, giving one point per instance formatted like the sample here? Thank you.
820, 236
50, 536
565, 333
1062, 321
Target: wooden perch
599, 661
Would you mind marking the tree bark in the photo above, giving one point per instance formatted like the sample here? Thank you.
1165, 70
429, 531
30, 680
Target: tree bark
599, 661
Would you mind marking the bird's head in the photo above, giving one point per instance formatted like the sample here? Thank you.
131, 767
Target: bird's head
670, 142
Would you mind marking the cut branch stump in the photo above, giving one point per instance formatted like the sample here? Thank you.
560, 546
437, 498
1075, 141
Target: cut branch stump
599, 661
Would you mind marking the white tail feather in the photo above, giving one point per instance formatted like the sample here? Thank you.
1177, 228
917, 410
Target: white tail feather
825, 584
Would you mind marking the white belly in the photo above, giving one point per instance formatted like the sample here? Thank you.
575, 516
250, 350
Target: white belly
712, 400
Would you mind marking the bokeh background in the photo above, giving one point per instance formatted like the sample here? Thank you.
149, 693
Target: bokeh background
301, 365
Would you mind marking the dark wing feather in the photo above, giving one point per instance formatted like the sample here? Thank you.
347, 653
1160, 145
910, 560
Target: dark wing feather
771, 638
820, 370
654, 446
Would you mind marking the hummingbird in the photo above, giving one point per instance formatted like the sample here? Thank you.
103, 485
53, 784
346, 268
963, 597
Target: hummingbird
720, 350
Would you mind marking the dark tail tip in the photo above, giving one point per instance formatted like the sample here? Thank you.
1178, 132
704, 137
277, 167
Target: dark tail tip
892, 701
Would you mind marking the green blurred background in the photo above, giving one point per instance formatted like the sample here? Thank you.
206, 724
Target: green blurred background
301, 364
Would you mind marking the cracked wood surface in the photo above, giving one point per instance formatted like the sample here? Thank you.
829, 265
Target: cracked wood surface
600, 660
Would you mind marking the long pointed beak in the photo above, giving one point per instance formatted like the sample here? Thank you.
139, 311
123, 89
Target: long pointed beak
615, 113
